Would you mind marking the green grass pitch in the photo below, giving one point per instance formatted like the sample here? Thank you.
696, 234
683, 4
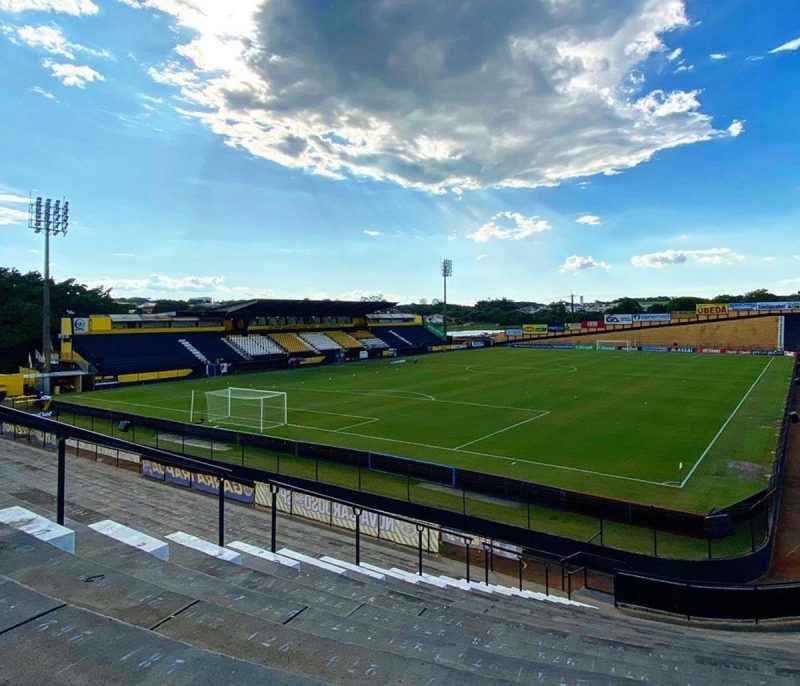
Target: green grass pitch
677, 430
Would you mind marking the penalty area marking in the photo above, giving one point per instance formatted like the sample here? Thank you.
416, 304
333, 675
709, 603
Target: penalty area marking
727, 421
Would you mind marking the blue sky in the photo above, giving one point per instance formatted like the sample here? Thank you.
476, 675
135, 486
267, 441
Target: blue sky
296, 148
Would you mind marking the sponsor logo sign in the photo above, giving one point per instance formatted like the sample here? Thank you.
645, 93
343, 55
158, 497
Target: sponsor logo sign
682, 349
655, 348
572, 325
618, 319
80, 325
555, 327
593, 324
743, 306
715, 351
584, 347
513, 332
477, 344
779, 306
233, 490
712, 308
654, 317
534, 328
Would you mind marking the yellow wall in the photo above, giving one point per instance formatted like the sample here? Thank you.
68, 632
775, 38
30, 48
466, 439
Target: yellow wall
154, 376
12, 384
761, 332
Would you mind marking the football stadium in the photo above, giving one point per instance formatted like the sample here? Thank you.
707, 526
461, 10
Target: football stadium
255, 429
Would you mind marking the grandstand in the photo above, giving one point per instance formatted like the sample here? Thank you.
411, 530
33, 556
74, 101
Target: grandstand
307, 613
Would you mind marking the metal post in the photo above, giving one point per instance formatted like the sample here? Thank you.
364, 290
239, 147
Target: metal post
529, 514
546, 579
708, 538
408, 481
46, 315
357, 513
221, 525
468, 553
62, 468
655, 542
273, 541
601, 531
419, 548
520, 572
752, 535
486, 564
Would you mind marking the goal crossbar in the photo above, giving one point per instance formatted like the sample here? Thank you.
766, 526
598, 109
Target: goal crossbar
250, 407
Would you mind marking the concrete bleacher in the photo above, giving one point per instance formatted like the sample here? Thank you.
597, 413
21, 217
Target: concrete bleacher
256, 345
370, 341
115, 614
344, 340
292, 343
406, 336
319, 341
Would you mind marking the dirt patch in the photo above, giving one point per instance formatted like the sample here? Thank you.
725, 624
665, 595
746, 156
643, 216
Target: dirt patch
741, 469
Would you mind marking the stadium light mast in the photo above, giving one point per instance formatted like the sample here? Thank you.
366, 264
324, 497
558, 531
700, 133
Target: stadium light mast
47, 218
446, 271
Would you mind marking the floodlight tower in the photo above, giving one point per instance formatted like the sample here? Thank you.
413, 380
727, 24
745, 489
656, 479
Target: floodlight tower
52, 218
446, 271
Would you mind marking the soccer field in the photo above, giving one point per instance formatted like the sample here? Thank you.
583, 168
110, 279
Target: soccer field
679, 430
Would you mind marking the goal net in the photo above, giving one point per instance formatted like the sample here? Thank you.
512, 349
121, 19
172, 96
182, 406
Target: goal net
608, 344
247, 407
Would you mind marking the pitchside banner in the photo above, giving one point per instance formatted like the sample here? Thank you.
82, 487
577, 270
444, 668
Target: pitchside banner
618, 319
342, 516
655, 317
743, 306
501, 548
592, 324
200, 482
513, 332
534, 328
779, 306
570, 326
712, 308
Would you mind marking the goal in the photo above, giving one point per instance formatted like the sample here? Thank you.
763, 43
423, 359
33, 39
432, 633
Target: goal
608, 344
247, 407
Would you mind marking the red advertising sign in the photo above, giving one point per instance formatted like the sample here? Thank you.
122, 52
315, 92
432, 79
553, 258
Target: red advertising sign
592, 324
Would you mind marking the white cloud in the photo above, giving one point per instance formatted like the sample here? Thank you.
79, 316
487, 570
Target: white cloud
791, 45
11, 215
754, 58
372, 232
576, 263
73, 74
482, 257
410, 93
684, 67
675, 54
161, 282
736, 128
589, 219
769, 258
718, 56
74, 7
685, 236
714, 256
11, 197
49, 39
45, 94
505, 226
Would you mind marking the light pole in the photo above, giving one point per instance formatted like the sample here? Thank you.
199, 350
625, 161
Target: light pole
52, 218
446, 271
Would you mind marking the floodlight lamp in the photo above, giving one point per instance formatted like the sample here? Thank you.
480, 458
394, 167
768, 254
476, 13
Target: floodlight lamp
447, 268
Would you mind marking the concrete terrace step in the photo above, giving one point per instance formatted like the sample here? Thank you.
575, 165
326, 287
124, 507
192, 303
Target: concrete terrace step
263, 554
206, 547
52, 642
40, 527
132, 537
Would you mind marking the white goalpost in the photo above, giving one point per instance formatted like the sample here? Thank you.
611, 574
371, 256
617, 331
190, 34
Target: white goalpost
609, 344
248, 407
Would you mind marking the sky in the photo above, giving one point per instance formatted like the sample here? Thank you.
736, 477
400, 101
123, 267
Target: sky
308, 149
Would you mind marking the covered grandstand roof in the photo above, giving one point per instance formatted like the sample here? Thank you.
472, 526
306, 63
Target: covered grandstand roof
298, 308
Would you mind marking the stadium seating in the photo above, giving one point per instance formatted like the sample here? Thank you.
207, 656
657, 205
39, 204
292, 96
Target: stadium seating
111, 613
369, 341
123, 354
212, 347
319, 341
344, 340
406, 337
291, 343
257, 346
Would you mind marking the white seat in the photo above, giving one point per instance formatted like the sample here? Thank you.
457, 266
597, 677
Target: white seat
308, 559
354, 567
132, 537
255, 551
203, 546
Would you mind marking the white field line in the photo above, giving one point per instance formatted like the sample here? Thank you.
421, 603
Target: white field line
353, 426
497, 457
727, 421
499, 431
475, 369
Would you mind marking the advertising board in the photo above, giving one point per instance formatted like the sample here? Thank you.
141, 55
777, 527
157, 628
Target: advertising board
654, 317
555, 327
593, 324
779, 306
513, 332
743, 306
712, 308
618, 319
571, 326
528, 329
